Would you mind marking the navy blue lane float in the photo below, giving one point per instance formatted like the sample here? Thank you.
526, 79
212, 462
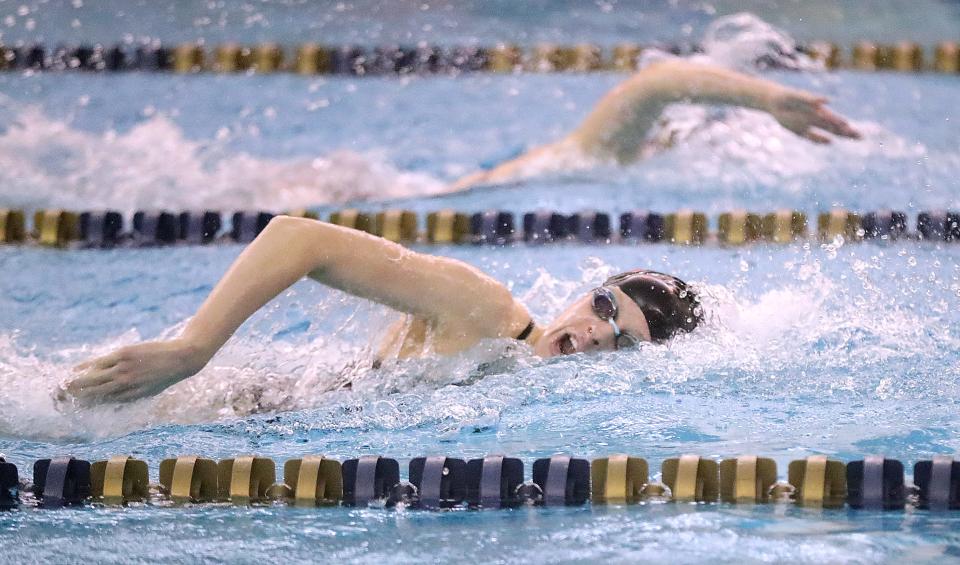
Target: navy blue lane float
884, 224
61, 481
876, 483
155, 228
544, 226
369, 478
589, 227
199, 228
101, 229
494, 482
9, 485
492, 227
642, 225
248, 225
439, 482
564, 480
939, 225
939, 483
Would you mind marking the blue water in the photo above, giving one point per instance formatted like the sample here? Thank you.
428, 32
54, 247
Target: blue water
464, 21
844, 349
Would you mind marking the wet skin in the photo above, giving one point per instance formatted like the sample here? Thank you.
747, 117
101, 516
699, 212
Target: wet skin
578, 329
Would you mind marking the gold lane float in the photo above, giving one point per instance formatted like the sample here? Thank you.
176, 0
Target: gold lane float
12, 226
494, 481
65, 229
839, 223
818, 482
311, 58
119, 480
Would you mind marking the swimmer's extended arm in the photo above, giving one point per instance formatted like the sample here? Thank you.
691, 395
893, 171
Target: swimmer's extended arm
436, 288
619, 124
620, 121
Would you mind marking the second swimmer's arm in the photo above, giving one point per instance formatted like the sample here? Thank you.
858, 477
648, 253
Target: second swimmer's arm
289, 248
620, 122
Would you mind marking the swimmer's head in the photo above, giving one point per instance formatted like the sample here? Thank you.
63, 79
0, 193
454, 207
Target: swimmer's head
645, 306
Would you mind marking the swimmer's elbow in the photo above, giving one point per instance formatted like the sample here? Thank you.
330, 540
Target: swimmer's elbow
674, 66
322, 248
664, 77
292, 230
660, 66
285, 226
300, 239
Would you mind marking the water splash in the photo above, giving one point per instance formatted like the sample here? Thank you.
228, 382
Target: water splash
833, 328
46, 162
745, 42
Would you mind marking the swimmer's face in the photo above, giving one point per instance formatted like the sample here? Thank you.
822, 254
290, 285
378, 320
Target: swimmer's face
579, 329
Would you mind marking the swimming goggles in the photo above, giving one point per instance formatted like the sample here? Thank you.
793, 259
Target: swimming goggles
604, 305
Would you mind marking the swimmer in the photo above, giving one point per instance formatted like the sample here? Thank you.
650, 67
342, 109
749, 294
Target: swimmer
450, 307
619, 126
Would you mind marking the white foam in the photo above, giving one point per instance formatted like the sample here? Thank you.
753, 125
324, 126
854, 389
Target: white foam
46, 162
743, 41
742, 147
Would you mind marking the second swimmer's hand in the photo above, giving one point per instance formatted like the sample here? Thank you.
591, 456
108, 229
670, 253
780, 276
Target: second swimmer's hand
136, 371
804, 113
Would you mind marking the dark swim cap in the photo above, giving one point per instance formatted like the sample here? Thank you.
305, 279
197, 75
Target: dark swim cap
666, 301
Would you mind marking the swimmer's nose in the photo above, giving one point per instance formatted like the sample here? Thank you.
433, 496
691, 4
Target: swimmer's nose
592, 342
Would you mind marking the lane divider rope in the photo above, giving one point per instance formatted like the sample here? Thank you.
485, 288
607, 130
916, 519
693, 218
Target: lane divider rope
107, 229
495, 481
355, 60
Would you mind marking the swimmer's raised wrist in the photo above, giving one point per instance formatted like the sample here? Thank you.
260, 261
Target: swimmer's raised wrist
195, 355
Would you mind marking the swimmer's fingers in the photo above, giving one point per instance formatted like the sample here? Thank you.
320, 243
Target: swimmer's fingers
104, 362
127, 391
107, 392
833, 123
82, 386
815, 137
799, 111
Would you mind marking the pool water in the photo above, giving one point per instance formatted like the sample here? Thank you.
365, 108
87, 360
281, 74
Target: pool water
842, 349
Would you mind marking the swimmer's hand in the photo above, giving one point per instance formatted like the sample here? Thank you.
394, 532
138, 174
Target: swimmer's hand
137, 371
805, 113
